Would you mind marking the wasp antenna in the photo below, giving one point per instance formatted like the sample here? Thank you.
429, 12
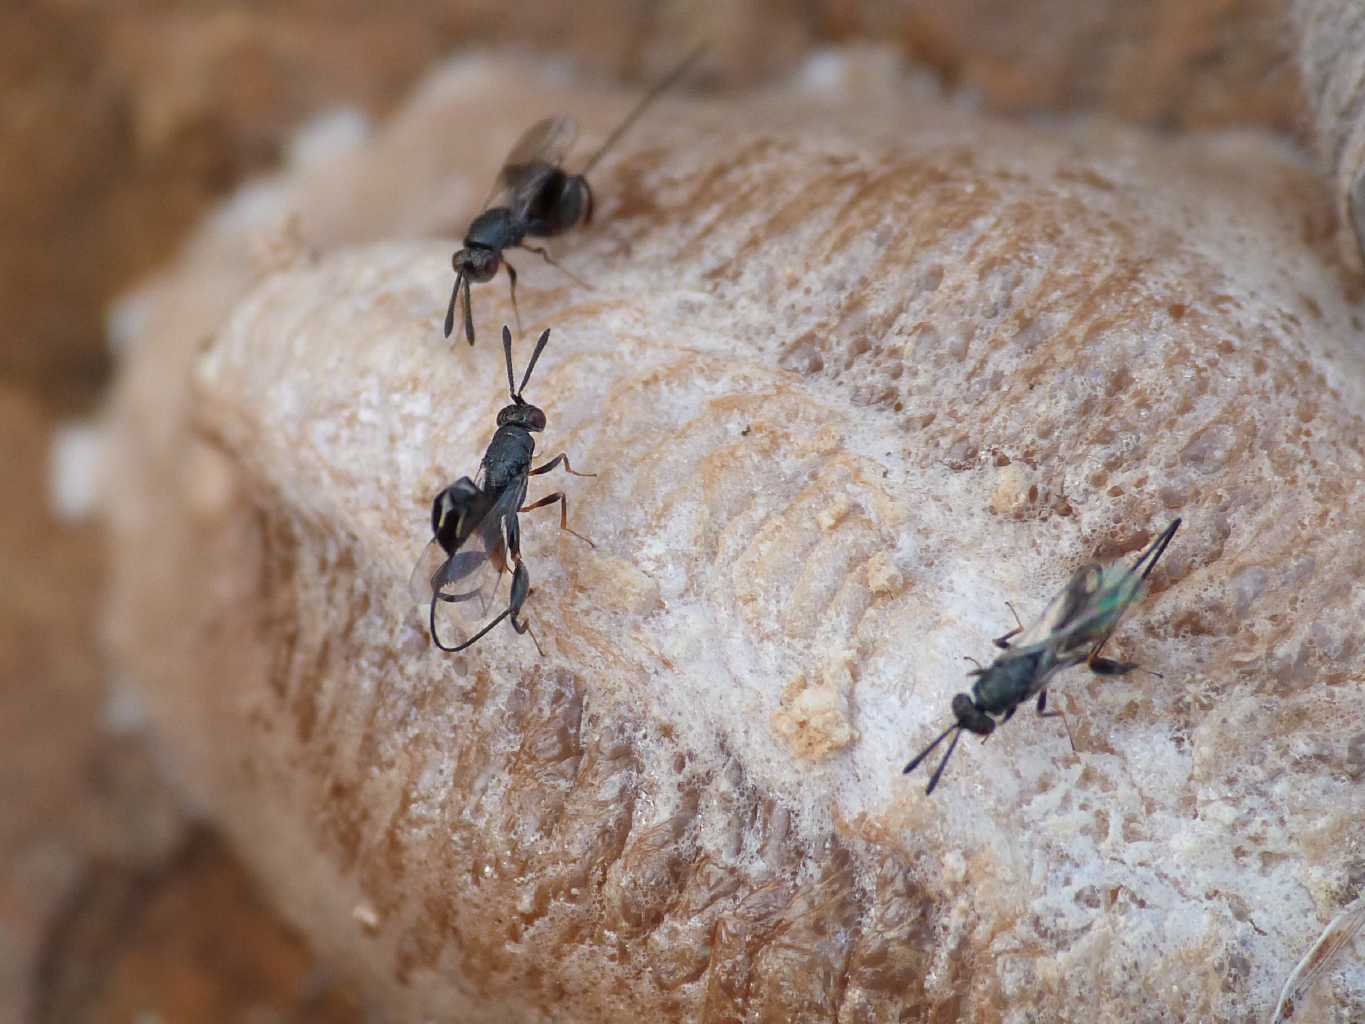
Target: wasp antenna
938, 772
540, 347
930, 748
643, 105
468, 314
450, 311
507, 354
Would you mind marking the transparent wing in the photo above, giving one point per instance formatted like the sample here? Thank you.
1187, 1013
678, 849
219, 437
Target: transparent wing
463, 584
1061, 613
1098, 616
545, 142
1116, 589
536, 156
422, 581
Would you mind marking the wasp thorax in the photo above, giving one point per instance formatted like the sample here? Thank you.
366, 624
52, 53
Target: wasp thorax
522, 415
476, 263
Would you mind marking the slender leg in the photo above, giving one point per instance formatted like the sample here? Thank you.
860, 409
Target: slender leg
1109, 667
1004, 641
1058, 713
521, 590
550, 260
561, 457
550, 499
512, 288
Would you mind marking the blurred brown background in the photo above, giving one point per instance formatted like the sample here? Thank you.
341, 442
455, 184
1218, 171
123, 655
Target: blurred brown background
122, 124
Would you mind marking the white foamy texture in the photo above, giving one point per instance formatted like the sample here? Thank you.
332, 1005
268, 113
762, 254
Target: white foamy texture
75, 470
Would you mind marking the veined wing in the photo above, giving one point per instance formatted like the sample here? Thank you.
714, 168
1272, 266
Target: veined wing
537, 155
459, 590
1116, 589
456, 578
1062, 610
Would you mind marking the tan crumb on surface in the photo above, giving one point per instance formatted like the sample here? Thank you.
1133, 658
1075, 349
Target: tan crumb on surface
813, 717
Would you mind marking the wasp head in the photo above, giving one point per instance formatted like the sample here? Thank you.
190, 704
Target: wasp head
476, 263
522, 414
971, 717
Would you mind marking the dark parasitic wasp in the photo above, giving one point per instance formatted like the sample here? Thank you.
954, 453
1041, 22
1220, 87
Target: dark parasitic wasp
476, 536
1072, 629
535, 198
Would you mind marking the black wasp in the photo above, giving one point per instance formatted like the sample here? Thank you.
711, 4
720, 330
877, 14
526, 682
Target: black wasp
1072, 629
535, 198
475, 532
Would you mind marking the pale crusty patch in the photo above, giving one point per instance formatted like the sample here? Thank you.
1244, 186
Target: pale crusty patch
813, 716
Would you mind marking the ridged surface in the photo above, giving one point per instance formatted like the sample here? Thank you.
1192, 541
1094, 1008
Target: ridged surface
855, 371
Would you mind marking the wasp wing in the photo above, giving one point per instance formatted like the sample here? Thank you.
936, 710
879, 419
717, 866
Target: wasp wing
536, 157
422, 579
545, 142
457, 583
1061, 612
1115, 590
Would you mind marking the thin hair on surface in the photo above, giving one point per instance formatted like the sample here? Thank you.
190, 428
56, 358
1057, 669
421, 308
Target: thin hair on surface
1334, 940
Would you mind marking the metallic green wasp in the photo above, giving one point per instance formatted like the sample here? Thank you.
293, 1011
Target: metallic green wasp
1072, 629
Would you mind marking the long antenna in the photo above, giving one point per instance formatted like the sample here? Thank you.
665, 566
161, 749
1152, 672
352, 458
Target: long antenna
507, 353
938, 773
930, 748
540, 347
450, 311
640, 107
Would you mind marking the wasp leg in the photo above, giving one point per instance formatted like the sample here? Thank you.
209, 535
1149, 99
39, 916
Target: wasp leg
512, 289
561, 457
550, 499
1109, 667
521, 590
1043, 712
1003, 642
543, 254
